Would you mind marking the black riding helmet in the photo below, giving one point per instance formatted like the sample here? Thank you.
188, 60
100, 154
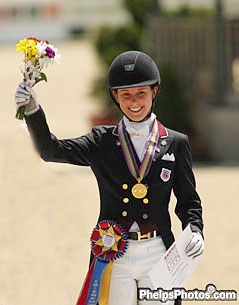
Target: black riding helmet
132, 69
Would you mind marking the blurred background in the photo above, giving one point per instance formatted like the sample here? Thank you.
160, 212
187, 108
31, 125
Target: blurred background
48, 210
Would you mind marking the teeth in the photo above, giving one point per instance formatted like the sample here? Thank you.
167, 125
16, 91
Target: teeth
135, 109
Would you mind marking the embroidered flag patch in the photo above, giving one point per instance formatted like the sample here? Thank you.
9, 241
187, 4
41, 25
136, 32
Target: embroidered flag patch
165, 174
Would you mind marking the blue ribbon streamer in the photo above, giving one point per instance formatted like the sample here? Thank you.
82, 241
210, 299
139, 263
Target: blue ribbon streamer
94, 289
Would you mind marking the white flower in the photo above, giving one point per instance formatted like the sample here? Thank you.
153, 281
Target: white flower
44, 62
57, 58
41, 48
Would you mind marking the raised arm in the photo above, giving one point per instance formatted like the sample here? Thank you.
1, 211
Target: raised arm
76, 151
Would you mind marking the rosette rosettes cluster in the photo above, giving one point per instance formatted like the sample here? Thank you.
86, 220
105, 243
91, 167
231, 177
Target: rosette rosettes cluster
108, 240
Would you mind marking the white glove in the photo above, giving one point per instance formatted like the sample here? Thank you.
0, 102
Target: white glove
26, 96
195, 246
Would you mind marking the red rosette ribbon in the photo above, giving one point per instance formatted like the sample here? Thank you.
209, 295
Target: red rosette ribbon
108, 243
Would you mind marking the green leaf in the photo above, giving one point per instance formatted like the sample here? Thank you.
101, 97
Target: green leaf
20, 113
41, 77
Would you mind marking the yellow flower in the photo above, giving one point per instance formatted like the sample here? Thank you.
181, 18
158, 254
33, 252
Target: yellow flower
21, 46
28, 47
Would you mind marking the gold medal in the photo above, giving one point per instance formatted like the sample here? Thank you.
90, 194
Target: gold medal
139, 190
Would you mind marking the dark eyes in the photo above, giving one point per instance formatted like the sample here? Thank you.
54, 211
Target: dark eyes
126, 95
140, 93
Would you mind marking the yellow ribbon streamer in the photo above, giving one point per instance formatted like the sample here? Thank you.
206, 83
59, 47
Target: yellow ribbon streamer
105, 285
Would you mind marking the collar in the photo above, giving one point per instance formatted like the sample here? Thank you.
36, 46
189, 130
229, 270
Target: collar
138, 125
163, 133
139, 128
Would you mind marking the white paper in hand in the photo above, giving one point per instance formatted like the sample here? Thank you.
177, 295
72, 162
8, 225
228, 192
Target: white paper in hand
175, 267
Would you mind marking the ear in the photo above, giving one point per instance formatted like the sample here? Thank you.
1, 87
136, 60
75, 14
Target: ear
115, 94
155, 90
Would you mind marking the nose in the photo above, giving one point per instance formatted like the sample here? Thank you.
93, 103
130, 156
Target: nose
134, 99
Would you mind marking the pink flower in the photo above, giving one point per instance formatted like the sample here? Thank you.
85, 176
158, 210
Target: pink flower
50, 53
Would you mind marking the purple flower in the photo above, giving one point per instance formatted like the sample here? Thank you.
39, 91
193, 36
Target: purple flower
50, 53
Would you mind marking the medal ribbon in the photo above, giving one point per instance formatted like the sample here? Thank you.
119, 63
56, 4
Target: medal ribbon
136, 172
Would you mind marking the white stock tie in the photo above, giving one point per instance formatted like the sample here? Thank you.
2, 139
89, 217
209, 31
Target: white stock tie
140, 132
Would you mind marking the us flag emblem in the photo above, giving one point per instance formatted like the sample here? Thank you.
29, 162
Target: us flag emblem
165, 174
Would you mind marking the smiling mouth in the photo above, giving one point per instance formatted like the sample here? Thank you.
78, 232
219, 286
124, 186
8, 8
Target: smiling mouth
135, 109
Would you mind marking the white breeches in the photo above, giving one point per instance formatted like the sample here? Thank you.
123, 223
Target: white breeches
131, 272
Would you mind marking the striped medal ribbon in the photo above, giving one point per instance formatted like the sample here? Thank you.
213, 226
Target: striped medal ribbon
139, 190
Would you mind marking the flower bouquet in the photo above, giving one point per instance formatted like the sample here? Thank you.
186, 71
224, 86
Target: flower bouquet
38, 54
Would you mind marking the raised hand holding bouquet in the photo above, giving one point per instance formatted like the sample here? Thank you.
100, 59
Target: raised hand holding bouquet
38, 54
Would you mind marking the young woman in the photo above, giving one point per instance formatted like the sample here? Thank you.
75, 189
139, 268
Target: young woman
137, 164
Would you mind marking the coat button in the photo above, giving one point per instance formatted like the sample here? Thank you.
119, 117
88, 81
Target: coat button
125, 200
118, 143
124, 186
145, 216
164, 143
124, 213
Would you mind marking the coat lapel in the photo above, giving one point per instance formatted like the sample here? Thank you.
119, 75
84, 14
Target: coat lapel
163, 143
163, 146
